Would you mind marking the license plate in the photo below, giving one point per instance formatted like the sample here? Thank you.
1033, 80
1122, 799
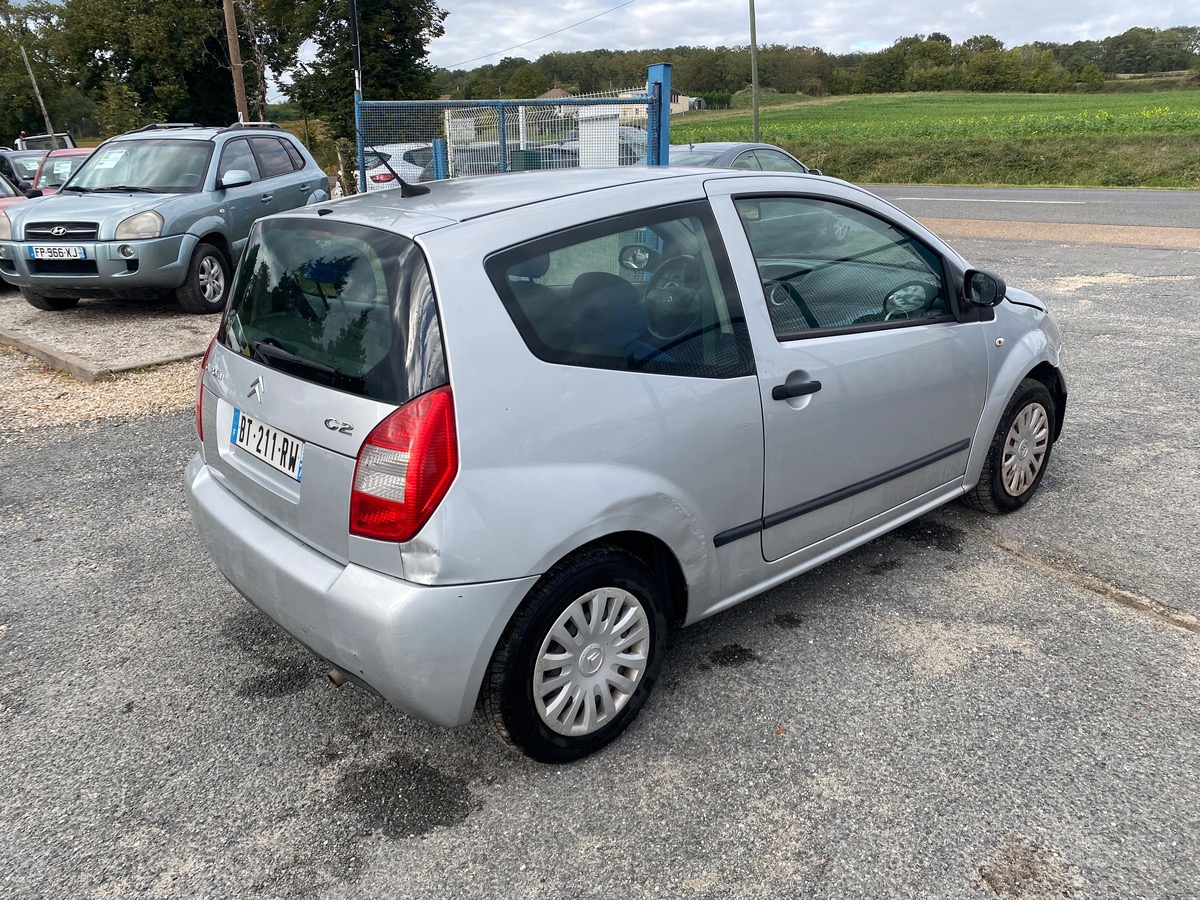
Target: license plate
56, 251
276, 448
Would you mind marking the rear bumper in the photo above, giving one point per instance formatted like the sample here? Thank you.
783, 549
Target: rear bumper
423, 649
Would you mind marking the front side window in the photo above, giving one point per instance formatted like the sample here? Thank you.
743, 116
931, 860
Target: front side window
340, 305
237, 155
155, 166
648, 292
774, 161
825, 266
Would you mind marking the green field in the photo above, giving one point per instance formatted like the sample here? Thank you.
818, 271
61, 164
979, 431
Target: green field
1134, 140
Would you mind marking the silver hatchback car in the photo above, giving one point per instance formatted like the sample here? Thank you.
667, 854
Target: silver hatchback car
490, 440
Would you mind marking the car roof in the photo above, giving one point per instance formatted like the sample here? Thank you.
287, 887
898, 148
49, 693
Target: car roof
198, 132
460, 199
71, 151
721, 146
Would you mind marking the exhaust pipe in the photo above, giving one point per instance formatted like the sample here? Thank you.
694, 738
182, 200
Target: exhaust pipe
337, 677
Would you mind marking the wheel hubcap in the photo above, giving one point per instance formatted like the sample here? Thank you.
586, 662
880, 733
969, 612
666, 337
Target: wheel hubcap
212, 279
1025, 449
591, 661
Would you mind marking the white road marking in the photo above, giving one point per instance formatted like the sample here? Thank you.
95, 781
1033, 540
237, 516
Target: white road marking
974, 200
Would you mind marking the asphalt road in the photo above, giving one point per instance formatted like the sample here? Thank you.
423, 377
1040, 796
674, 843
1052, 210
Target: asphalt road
967, 707
1141, 208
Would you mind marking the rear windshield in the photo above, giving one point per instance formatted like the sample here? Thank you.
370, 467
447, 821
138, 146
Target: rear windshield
339, 305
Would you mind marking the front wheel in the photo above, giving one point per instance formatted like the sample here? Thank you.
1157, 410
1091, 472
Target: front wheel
579, 659
1019, 452
50, 304
207, 283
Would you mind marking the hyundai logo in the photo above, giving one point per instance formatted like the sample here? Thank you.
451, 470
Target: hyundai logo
58, 230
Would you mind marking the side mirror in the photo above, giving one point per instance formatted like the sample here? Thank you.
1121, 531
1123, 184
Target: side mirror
639, 258
33, 192
24, 186
815, 172
983, 288
235, 178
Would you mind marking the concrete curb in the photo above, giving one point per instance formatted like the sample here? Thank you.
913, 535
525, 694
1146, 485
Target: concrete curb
81, 368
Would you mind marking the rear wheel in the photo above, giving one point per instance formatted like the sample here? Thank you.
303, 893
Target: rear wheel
207, 283
50, 304
1019, 452
578, 661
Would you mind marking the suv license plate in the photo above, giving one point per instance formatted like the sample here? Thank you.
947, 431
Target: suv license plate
56, 251
276, 448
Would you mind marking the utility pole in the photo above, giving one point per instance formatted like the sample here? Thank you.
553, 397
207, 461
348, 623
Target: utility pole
37, 93
235, 62
753, 71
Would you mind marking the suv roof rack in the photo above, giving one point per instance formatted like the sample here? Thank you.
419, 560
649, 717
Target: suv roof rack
155, 126
239, 125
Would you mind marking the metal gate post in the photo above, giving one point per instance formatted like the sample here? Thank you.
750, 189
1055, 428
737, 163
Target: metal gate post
658, 115
502, 126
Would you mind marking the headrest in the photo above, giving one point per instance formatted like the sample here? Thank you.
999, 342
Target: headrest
534, 267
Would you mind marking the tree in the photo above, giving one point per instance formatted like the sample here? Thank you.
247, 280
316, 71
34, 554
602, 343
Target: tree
527, 81
991, 70
393, 35
171, 53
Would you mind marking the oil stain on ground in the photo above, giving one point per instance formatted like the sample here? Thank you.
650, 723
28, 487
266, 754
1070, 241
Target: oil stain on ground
932, 534
732, 655
403, 796
1024, 868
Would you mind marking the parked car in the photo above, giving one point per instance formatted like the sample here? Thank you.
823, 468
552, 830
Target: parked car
9, 195
631, 145
494, 438
165, 208
731, 155
384, 162
59, 140
20, 166
55, 168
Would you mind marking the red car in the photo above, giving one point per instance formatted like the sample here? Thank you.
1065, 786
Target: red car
57, 166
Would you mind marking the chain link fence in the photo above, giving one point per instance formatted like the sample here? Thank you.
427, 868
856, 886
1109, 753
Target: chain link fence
430, 140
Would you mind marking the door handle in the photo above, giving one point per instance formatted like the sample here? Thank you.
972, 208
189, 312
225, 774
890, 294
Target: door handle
788, 390
266, 198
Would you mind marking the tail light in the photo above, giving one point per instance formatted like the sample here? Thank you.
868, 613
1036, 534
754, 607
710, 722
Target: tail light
200, 391
404, 469
383, 178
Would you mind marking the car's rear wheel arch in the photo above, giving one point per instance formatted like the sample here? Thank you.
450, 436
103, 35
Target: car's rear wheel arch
661, 561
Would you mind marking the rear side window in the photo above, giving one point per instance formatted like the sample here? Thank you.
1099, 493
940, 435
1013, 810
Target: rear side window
339, 305
272, 158
648, 292
293, 155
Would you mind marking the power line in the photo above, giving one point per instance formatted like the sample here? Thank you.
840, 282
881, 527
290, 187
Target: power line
542, 38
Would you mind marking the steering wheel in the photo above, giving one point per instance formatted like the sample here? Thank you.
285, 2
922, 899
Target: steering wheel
782, 295
672, 298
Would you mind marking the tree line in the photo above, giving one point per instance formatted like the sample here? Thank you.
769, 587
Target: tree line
915, 63
106, 66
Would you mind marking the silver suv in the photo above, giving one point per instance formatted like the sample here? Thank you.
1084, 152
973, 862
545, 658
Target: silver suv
163, 209
492, 439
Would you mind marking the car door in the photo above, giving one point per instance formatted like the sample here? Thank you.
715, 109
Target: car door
287, 187
245, 203
871, 386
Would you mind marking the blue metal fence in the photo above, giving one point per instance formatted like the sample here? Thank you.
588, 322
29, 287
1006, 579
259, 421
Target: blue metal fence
424, 140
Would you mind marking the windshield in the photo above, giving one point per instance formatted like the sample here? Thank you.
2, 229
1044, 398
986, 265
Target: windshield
161, 166
6, 189
57, 169
26, 164
340, 305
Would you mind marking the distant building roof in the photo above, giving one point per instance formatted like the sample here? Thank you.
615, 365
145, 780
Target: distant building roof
554, 94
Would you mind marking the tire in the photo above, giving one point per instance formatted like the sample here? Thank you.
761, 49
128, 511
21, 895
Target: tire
537, 709
1019, 453
50, 304
207, 285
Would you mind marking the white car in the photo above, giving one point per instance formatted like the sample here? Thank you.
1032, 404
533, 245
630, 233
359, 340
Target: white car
386, 161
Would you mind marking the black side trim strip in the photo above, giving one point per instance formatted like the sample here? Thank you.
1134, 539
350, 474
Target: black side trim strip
778, 518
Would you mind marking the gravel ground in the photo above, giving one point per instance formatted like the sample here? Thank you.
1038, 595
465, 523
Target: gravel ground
38, 396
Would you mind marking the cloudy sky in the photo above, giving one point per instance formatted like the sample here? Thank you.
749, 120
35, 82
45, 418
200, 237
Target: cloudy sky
475, 28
